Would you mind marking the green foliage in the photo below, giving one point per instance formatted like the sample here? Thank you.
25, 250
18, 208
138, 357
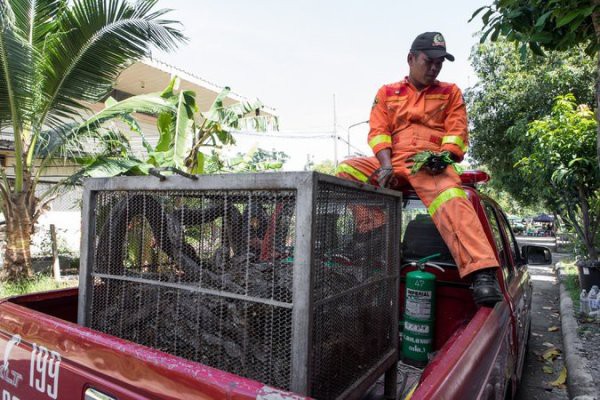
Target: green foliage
549, 25
219, 121
562, 145
256, 160
507, 202
541, 24
56, 56
420, 159
181, 139
39, 283
571, 281
510, 93
325, 167
562, 166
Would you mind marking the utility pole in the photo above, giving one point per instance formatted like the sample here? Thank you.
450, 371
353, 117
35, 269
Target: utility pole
335, 150
348, 132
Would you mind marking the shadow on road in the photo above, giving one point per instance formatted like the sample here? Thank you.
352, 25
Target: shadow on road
545, 335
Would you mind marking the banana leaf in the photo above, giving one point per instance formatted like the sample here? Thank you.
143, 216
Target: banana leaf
420, 159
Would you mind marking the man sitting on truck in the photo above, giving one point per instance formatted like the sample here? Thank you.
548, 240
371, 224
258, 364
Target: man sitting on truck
420, 114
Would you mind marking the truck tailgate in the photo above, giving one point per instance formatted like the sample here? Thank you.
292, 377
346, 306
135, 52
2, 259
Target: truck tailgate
49, 358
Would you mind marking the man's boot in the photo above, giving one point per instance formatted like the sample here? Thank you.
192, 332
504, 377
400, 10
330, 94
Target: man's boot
486, 291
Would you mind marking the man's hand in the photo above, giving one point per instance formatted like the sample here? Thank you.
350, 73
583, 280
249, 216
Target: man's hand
383, 176
436, 164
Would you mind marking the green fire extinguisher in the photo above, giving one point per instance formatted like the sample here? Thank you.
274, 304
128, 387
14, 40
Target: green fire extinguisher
419, 313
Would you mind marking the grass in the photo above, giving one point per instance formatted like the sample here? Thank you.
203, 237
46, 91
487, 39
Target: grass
572, 281
39, 283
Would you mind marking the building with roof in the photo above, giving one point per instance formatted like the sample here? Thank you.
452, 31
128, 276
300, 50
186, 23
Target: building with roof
147, 76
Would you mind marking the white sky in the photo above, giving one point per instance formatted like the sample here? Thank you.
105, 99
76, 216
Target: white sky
294, 56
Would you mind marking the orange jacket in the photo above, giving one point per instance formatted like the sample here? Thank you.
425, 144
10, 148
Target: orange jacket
436, 115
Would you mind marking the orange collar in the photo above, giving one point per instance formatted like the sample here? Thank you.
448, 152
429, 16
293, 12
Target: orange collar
407, 81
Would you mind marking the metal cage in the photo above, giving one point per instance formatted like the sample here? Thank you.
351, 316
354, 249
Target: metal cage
290, 279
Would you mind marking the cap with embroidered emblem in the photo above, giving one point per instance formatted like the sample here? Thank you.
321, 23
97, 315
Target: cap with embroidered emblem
432, 44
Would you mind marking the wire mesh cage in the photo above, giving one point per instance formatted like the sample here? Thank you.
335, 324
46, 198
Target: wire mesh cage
290, 279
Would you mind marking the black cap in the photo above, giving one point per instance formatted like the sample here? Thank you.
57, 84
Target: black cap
432, 44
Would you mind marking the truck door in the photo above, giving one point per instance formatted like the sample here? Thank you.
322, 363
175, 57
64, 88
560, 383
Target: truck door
522, 289
516, 280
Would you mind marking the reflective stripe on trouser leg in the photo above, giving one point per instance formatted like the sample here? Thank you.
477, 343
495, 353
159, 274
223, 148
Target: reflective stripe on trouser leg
456, 220
353, 172
445, 196
462, 231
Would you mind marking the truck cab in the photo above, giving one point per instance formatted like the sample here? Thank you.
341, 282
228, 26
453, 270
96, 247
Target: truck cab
474, 347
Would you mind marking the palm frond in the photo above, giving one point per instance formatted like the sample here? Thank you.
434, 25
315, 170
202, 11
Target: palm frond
260, 123
36, 18
103, 166
16, 67
235, 116
98, 39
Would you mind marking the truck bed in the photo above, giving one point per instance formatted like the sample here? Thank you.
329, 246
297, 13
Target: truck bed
62, 305
90, 359
56, 358
477, 351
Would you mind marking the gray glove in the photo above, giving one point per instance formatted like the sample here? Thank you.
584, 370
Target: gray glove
383, 176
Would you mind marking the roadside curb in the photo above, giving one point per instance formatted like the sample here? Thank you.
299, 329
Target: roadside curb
580, 383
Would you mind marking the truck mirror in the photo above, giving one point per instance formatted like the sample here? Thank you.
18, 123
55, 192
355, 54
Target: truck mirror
537, 255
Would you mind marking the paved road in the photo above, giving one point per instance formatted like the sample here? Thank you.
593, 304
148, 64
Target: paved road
535, 382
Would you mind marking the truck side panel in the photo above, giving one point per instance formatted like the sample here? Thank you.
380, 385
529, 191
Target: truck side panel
48, 358
474, 363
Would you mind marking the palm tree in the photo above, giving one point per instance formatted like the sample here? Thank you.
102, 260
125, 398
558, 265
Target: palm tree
56, 56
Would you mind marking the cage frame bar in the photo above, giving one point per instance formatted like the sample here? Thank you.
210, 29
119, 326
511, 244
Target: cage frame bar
305, 184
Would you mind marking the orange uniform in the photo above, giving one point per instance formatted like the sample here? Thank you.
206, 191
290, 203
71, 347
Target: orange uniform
408, 122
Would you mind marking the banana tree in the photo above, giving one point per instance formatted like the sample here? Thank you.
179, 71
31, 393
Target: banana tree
255, 160
55, 57
185, 134
218, 123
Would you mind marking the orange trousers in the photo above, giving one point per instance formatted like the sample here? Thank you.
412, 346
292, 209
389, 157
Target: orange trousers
452, 213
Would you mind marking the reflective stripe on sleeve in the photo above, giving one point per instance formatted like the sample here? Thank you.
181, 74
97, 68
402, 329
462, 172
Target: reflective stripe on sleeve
380, 139
352, 172
443, 197
457, 140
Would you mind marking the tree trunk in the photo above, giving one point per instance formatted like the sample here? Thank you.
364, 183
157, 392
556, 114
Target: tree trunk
19, 228
598, 111
588, 238
596, 21
578, 217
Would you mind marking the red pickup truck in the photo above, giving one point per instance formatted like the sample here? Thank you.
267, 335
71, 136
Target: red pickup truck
478, 352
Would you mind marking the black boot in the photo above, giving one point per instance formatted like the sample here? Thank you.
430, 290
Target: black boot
486, 291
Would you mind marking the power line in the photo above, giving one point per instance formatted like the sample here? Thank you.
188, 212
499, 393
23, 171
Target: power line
359, 151
325, 135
